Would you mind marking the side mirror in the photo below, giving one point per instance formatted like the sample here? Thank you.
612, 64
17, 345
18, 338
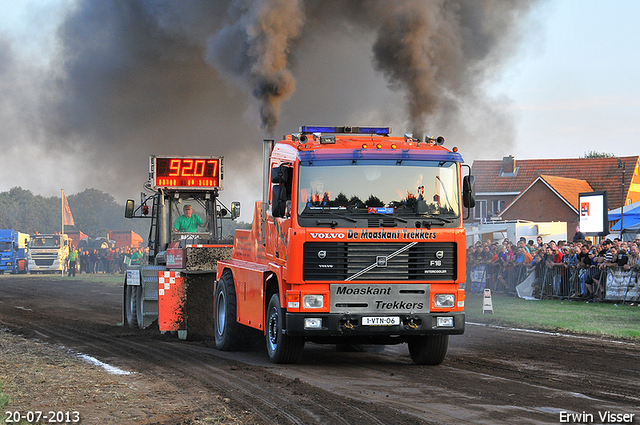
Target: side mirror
469, 191
129, 208
279, 200
280, 174
235, 210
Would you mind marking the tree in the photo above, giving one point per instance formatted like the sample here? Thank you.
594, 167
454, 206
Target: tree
95, 213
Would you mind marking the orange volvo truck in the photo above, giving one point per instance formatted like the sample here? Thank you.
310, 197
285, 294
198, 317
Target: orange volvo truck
358, 240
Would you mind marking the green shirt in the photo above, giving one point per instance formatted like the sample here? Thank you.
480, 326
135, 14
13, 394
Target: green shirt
184, 224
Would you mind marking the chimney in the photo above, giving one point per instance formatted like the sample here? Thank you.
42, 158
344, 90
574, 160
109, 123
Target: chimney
508, 164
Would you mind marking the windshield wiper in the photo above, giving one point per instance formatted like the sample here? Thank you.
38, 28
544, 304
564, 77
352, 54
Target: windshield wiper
431, 219
328, 212
392, 216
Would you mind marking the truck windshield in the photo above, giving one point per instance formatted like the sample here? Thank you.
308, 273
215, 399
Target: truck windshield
51, 242
5, 246
409, 188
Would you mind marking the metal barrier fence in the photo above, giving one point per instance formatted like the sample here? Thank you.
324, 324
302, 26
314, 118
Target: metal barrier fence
622, 285
557, 280
497, 277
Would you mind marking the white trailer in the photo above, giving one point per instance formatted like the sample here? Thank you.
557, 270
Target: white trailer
514, 229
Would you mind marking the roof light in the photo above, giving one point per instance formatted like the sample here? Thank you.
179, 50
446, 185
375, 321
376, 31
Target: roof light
345, 129
327, 140
365, 146
434, 140
394, 146
379, 146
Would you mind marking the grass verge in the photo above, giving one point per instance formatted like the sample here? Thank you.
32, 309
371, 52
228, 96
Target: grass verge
597, 319
92, 277
4, 398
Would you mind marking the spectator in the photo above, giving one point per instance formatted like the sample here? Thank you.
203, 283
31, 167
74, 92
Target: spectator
584, 257
93, 260
73, 258
620, 257
136, 257
570, 258
523, 256
633, 258
508, 262
579, 236
584, 264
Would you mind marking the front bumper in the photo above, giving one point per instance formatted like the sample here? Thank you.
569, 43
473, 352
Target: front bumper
350, 324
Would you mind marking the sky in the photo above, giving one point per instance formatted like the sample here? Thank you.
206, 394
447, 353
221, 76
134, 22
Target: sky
87, 93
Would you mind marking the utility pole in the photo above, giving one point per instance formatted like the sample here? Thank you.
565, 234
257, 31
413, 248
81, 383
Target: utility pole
624, 199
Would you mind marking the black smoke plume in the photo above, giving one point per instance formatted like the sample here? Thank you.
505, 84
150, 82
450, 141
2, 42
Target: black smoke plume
130, 78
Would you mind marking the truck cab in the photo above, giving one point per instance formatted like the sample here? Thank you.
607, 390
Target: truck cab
48, 253
13, 251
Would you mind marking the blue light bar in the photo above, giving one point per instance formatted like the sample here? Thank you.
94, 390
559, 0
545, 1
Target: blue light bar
376, 154
375, 130
317, 129
345, 129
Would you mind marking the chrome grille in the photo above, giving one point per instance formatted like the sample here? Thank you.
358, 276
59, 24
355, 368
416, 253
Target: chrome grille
340, 261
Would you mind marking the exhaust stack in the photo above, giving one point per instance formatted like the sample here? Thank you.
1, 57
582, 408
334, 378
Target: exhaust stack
267, 148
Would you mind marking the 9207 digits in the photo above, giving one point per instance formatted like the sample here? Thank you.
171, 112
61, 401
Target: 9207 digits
51, 417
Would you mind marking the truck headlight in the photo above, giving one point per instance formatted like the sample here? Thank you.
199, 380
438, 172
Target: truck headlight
313, 301
444, 300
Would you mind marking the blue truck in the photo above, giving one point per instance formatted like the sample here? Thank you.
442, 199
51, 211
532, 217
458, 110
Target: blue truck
13, 251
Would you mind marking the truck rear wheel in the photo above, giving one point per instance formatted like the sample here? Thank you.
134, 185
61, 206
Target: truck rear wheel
133, 305
281, 347
229, 334
429, 349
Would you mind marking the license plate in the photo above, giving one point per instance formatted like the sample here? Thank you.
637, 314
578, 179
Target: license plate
381, 321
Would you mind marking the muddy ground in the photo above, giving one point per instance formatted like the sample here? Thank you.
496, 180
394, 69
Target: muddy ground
490, 376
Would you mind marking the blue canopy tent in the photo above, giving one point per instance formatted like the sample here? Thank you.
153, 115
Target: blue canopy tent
631, 218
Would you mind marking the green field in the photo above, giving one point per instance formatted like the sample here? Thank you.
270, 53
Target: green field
597, 319
92, 277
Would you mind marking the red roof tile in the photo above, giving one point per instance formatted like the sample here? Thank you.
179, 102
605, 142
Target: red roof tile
599, 173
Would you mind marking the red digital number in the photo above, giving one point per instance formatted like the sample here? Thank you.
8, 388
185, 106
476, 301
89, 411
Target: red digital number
199, 168
174, 166
214, 171
187, 167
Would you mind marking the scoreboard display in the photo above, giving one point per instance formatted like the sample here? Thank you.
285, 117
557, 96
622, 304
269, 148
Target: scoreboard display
186, 172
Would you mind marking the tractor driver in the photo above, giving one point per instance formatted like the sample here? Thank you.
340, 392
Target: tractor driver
189, 222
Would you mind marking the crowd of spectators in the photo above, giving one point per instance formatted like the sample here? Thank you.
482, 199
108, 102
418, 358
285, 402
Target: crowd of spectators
111, 260
562, 269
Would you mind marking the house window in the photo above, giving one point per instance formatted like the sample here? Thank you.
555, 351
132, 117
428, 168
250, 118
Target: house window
496, 206
480, 210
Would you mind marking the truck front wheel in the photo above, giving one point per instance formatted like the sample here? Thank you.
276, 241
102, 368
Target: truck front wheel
429, 349
281, 347
133, 305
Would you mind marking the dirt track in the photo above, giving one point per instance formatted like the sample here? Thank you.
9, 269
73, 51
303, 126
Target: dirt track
491, 376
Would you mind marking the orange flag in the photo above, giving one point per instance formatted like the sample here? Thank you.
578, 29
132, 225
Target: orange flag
67, 218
